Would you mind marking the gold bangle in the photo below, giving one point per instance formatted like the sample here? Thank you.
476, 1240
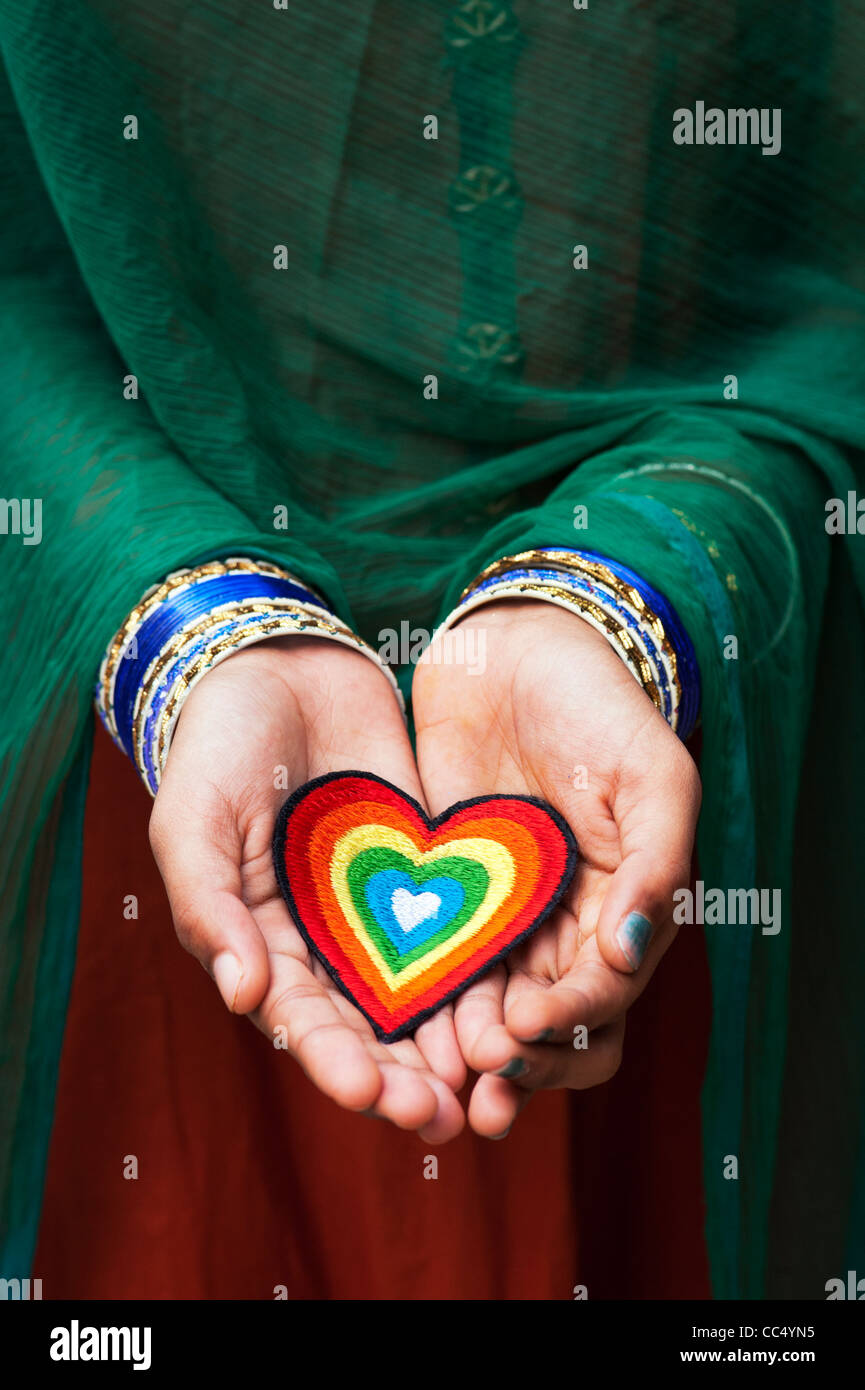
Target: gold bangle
156, 594
629, 594
172, 649
226, 645
626, 593
566, 598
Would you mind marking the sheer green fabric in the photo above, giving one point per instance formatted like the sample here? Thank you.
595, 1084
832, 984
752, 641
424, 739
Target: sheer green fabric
422, 379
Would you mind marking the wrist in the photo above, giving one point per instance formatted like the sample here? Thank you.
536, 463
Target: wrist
188, 625
634, 619
533, 620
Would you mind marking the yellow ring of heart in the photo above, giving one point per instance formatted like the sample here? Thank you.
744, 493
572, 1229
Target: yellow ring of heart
494, 857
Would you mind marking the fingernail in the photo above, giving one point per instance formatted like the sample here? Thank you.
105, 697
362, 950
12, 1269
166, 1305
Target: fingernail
228, 973
543, 1036
515, 1067
504, 1134
633, 936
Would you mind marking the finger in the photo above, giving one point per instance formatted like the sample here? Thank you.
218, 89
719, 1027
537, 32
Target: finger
588, 1060
434, 1110
337, 1050
436, 1040
305, 1019
449, 1119
579, 1067
590, 995
657, 817
200, 867
478, 1009
494, 1105
406, 1097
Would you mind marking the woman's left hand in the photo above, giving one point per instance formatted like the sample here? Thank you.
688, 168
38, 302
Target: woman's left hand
552, 712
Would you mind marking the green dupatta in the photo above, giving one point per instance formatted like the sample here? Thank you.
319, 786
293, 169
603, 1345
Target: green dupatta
304, 282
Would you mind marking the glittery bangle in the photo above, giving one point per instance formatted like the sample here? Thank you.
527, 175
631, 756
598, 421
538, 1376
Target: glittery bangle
184, 627
164, 672
662, 670
604, 622
276, 625
616, 601
570, 562
125, 640
660, 610
213, 595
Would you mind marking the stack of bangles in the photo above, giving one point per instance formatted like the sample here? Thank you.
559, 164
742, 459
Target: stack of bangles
640, 625
196, 618
184, 627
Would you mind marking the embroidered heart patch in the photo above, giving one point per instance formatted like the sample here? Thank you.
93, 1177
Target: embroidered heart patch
404, 911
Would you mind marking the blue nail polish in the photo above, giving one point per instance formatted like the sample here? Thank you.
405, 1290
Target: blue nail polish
515, 1067
543, 1036
633, 936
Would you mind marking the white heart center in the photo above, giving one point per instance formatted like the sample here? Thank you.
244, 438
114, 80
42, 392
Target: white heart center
410, 909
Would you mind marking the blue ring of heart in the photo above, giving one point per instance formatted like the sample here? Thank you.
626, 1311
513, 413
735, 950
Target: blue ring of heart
385, 895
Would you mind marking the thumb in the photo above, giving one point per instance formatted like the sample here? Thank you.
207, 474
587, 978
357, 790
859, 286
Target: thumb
656, 812
200, 866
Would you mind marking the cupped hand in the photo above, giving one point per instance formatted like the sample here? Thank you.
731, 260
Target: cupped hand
256, 727
546, 708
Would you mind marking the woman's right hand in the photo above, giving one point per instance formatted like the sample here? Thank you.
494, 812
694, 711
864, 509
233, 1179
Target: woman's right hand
256, 727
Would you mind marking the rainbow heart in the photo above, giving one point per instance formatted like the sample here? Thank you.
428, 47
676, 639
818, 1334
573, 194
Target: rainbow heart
404, 912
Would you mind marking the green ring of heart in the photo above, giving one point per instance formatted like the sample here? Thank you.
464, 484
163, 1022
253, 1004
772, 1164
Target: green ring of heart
471, 875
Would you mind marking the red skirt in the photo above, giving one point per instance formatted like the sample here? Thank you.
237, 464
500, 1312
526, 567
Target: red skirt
191, 1159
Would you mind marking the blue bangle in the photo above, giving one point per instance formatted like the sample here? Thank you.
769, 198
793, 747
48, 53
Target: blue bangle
686, 657
191, 622
583, 585
233, 624
200, 598
640, 623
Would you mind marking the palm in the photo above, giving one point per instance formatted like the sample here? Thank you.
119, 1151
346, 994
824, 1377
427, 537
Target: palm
265, 722
554, 715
